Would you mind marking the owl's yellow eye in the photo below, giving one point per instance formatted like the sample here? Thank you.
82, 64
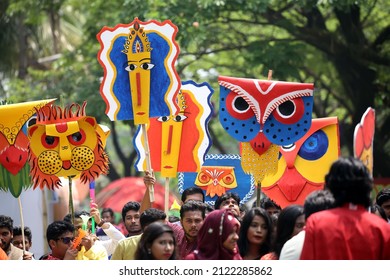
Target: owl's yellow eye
228, 179
203, 178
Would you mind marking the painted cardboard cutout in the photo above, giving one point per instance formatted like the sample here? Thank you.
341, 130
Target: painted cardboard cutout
303, 166
14, 122
139, 74
66, 143
218, 175
281, 110
179, 142
364, 139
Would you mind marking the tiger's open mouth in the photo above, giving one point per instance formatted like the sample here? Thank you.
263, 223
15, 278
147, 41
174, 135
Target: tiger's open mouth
66, 165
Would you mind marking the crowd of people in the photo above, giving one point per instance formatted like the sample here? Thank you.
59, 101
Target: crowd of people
339, 222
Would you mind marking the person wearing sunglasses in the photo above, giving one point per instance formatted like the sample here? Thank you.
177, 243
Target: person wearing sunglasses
59, 235
90, 248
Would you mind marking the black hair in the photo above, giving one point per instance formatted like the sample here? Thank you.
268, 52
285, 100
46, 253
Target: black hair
226, 196
285, 226
382, 196
193, 205
27, 232
151, 215
243, 243
7, 222
77, 214
381, 211
266, 203
173, 219
56, 229
108, 210
191, 190
350, 181
131, 205
318, 201
152, 232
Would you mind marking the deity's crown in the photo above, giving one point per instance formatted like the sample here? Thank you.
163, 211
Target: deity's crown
137, 41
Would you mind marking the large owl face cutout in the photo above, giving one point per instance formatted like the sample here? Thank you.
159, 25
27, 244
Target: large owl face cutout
303, 166
65, 143
281, 110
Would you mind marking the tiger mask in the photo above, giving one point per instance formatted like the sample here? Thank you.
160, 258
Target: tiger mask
65, 143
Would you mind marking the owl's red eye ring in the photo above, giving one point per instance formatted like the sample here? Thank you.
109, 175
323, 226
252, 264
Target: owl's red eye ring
238, 107
228, 179
290, 111
203, 177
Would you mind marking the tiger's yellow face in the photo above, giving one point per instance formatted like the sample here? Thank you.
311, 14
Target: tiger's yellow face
70, 148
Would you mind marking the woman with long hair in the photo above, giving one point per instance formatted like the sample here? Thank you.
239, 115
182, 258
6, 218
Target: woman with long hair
157, 243
255, 234
291, 221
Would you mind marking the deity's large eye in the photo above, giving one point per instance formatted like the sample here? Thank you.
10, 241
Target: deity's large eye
77, 138
49, 142
131, 67
179, 118
147, 66
163, 119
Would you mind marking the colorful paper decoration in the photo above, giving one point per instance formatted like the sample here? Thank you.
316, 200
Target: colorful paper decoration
264, 113
65, 142
216, 180
364, 139
281, 110
14, 122
302, 167
219, 174
179, 142
139, 74
259, 164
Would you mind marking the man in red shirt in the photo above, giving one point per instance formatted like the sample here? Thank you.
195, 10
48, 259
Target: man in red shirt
349, 231
192, 215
